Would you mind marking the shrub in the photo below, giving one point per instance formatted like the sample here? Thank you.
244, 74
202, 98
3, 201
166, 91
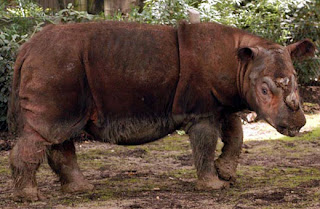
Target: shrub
9, 44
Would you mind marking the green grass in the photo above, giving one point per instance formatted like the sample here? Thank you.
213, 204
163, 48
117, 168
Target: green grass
170, 143
312, 135
4, 165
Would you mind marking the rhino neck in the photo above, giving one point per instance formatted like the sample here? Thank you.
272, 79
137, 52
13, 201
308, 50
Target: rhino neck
209, 69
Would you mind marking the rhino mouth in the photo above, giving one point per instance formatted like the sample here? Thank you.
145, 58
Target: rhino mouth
284, 129
287, 131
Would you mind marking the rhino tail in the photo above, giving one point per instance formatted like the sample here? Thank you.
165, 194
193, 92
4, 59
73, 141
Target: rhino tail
13, 113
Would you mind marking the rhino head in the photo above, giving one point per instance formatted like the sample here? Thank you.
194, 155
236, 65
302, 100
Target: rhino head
270, 84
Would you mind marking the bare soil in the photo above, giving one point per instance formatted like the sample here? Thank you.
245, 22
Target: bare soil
274, 172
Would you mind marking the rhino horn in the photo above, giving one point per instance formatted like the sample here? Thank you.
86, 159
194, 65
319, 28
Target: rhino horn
291, 99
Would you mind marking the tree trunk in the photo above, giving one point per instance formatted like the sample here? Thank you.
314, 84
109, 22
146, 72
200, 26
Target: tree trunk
95, 6
61, 4
123, 6
81, 5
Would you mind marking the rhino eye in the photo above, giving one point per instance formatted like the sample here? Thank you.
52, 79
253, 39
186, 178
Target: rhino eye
264, 91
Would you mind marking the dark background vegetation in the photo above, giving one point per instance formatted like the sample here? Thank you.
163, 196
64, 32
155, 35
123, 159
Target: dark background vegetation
283, 22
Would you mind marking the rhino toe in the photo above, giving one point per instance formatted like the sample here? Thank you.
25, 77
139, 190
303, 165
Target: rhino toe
226, 169
28, 194
75, 187
213, 183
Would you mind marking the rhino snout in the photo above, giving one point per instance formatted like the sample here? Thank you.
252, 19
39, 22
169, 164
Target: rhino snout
292, 126
288, 132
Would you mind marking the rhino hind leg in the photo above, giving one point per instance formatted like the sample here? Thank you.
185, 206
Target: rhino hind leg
203, 138
232, 137
25, 159
63, 161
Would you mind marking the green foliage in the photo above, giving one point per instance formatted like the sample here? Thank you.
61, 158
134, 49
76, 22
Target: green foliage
9, 44
70, 15
224, 12
161, 12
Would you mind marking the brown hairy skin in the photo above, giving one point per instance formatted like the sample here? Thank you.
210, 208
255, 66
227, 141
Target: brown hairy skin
25, 159
203, 137
129, 83
232, 137
63, 161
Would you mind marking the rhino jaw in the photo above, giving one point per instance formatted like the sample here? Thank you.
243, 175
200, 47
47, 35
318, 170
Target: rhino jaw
292, 124
286, 122
288, 132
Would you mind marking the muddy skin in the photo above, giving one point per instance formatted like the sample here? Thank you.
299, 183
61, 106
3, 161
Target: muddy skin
203, 138
63, 161
232, 137
25, 159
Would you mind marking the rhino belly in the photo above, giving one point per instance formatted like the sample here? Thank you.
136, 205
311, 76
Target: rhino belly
133, 130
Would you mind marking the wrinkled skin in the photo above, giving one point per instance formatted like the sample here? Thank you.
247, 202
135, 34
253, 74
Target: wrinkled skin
273, 91
127, 83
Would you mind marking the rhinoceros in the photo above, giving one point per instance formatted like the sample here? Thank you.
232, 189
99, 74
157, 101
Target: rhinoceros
131, 83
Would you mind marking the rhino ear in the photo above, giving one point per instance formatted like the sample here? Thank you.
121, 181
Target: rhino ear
301, 49
246, 54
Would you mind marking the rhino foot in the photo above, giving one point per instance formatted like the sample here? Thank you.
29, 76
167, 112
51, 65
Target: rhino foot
75, 187
213, 183
28, 194
226, 169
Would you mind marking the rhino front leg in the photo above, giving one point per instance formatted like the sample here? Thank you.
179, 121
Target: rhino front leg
232, 137
25, 159
203, 137
63, 161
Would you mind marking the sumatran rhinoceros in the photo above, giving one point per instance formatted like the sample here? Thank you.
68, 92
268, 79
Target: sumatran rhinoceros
129, 83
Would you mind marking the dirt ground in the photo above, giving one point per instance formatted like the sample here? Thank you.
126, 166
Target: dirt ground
274, 172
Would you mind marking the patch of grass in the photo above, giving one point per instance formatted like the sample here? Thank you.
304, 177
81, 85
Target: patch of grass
170, 143
308, 104
183, 173
4, 165
94, 164
91, 197
94, 158
292, 177
4, 171
259, 176
312, 135
93, 154
132, 185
